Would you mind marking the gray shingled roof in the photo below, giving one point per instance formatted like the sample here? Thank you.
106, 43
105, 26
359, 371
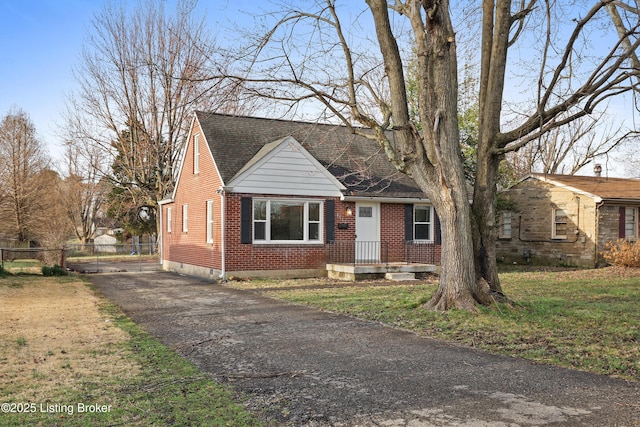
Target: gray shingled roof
357, 162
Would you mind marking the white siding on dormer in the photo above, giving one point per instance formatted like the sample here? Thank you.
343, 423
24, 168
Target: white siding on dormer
287, 169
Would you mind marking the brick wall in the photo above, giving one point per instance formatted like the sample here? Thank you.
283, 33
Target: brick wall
194, 190
252, 257
392, 230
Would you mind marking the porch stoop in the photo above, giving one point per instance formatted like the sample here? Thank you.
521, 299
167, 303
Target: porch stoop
400, 276
390, 271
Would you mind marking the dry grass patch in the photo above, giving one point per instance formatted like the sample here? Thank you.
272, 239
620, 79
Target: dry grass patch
54, 336
64, 349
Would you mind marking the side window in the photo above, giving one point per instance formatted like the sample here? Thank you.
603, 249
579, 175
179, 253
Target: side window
559, 226
630, 223
504, 231
169, 219
185, 218
196, 153
209, 221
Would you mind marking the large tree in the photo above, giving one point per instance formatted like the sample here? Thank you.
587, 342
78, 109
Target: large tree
143, 71
310, 53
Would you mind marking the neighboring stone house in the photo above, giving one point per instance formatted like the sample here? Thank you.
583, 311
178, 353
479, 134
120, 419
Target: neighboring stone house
263, 197
566, 219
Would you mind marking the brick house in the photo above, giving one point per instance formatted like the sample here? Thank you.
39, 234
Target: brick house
261, 197
565, 219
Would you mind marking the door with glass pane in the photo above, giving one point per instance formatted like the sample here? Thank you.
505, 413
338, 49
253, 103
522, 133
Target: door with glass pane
367, 248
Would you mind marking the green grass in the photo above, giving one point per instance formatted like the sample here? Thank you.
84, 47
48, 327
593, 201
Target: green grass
586, 319
21, 266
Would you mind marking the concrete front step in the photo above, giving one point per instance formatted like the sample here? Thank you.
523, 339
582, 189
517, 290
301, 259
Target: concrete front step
400, 276
351, 272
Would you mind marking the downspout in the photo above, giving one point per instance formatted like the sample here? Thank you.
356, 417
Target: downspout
161, 231
161, 257
223, 237
596, 233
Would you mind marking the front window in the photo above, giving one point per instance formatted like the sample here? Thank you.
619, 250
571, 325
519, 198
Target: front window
286, 221
560, 224
423, 223
169, 220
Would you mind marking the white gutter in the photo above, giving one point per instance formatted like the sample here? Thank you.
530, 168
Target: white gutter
223, 258
345, 198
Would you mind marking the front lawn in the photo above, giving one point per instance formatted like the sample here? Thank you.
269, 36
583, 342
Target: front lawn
583, 319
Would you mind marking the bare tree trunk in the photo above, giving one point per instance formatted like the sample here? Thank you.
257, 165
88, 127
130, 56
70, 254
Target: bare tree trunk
484, 215
426, 143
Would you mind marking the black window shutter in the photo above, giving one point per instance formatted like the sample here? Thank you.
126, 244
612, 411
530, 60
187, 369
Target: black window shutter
621, 223
329, 220
408, 222
245, 220
438, 232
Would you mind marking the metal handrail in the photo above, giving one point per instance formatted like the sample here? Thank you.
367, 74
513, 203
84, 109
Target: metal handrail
378, 252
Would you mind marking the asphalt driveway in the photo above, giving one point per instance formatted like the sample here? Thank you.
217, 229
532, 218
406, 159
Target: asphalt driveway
305, 367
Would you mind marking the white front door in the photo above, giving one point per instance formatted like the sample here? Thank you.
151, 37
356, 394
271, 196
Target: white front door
367, 232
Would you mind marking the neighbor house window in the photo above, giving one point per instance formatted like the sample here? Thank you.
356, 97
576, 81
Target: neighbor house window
185, 218
559, 226
287, 221
504, 231
630, 223
209, 221
423, 223
168, 220
196, 153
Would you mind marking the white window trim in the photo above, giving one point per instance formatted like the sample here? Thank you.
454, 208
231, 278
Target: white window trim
635, 223
431, 224
209, 221
305, 240
554, 224
196, 153
506, 217
169, 214
185, 218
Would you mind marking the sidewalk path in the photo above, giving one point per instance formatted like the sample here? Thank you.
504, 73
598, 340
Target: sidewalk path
305, 367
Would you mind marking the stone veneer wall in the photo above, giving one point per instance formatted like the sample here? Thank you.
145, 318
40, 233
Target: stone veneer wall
533, 203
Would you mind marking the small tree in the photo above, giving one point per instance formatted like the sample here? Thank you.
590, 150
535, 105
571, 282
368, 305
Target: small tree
83, 190
22, 208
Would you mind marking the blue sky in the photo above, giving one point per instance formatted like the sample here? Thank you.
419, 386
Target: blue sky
41, 41
40, 44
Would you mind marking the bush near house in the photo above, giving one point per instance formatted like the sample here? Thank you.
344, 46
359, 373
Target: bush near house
622, 253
